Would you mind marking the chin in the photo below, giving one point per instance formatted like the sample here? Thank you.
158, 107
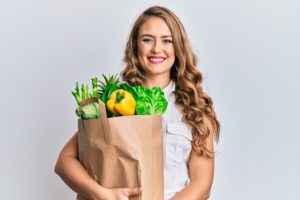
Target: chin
158, 72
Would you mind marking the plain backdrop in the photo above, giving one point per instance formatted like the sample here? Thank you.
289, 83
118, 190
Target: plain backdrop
248, 52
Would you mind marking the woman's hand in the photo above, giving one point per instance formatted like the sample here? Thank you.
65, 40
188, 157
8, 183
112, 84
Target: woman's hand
119, 193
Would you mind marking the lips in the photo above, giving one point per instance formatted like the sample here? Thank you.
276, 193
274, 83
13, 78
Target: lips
156, 59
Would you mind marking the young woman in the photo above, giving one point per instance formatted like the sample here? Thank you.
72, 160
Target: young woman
158, 54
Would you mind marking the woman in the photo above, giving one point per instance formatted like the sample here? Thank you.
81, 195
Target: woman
158, 54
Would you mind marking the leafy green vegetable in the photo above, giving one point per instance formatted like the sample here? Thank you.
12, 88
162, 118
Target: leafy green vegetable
91, 110
148, 101
109, 85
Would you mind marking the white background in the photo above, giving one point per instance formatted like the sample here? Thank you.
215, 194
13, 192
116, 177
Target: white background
248, 53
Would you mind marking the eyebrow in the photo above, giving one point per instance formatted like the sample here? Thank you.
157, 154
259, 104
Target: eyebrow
149, 35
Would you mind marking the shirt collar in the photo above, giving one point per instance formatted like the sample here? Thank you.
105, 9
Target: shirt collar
169, 88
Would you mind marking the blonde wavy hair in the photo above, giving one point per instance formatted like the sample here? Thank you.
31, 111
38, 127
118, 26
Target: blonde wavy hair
193, 102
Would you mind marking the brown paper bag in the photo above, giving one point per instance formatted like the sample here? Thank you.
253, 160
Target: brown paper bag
125, 151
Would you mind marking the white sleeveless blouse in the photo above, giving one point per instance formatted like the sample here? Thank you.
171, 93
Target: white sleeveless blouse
177, 138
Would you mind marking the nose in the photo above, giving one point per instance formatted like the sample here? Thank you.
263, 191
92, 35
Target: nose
156, 48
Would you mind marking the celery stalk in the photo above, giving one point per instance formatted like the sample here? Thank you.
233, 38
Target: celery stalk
95, 89
84, 92
76, 94
92, 110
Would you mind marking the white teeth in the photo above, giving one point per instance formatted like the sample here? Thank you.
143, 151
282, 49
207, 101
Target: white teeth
156, 59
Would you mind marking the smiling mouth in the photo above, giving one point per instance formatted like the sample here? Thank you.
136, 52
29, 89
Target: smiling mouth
156, 60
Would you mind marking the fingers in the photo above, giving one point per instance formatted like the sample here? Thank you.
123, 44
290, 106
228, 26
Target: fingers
132, 191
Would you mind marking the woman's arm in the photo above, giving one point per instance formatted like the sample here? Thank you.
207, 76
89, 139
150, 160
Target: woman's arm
201, 171
74, 174
70, 169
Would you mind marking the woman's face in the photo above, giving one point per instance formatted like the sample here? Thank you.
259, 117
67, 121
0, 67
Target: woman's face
155, 47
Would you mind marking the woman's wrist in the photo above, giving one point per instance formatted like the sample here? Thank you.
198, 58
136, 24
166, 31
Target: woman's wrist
99, 193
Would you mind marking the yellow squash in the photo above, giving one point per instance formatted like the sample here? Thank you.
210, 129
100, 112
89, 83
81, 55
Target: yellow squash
121, 102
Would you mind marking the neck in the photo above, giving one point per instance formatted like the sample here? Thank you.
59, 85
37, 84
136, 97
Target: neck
156, 81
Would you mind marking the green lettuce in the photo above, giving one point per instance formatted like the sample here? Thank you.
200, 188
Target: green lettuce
148, 101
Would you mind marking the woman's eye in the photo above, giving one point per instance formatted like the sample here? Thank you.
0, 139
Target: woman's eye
146, 40
167, 41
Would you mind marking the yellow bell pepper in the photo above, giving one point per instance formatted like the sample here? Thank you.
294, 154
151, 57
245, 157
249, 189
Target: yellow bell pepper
121, 102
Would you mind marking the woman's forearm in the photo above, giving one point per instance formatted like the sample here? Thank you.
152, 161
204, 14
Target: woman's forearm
75, 176
196, 190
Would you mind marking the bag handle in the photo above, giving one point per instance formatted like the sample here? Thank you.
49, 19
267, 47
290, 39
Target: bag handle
103, 117
105, 122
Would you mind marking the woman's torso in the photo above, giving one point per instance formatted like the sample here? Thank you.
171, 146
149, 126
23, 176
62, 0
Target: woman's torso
177, 138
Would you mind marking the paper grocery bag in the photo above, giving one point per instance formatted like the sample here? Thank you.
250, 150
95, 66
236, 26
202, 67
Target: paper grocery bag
124, 151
